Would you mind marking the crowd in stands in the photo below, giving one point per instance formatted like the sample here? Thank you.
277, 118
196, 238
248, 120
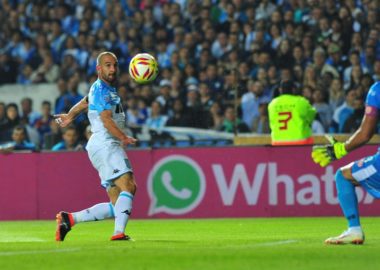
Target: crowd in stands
211, 54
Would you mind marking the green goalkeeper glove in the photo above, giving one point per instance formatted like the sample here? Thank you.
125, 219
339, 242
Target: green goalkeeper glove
325, 154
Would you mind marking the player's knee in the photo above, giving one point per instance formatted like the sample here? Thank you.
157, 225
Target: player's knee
339, 175
346, 174
346, 171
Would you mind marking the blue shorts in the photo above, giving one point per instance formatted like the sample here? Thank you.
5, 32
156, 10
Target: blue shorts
367, 172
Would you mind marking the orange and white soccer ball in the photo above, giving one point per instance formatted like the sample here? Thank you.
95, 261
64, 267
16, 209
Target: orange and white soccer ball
143, 68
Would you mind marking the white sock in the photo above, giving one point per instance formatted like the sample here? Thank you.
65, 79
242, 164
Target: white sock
123, 207
97, 212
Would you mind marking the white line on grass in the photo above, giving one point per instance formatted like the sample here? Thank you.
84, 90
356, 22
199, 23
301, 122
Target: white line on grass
34, 252
276, 243
10, 239
263, 244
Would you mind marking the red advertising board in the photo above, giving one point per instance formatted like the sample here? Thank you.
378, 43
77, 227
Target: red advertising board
182, 183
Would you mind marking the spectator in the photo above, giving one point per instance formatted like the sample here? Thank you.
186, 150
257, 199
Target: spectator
47, 72
347, 74
322, 108
310, 77
336, 60
298, 56
284, 55
13, 120
179, 118
56, 38
376, 70
356, 76
251, 100
87, 134
74, 96
343, 112
264, 10
19, 141
356, 42
366, 81
336, 94
354, 120
194, 107
275, 32
69, 142
156, 119
214, 82
316, 126
24, 77
164, 97
134, 117
52, 137
3, 121
28, 115
215, 117
260, 124
8, 69
220, 47
62, 102
307, 92
42, 124
320, 65
232, 123
69, 66
25, 51
143, 111
205, 97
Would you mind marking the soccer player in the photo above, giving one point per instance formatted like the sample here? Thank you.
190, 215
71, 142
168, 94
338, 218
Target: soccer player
105, 150
364, 172
290, 117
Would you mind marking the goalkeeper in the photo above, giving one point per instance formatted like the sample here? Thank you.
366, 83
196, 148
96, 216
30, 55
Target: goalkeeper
364, 172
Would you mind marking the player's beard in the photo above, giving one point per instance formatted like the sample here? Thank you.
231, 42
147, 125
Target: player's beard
110, 78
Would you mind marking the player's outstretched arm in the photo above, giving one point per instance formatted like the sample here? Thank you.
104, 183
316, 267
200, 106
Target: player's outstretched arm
363, 134
110, 125
325, 154
66, 118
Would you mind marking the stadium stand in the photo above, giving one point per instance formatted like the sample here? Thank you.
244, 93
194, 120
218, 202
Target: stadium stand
48, 52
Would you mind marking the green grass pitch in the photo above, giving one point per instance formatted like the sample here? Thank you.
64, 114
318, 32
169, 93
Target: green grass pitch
202, 244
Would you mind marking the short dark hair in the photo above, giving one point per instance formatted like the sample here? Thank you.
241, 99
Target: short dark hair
287, 87
20, 128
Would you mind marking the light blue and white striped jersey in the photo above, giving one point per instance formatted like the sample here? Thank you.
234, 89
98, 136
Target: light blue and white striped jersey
104, 97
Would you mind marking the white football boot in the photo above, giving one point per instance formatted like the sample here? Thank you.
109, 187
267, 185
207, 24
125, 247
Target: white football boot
347, 237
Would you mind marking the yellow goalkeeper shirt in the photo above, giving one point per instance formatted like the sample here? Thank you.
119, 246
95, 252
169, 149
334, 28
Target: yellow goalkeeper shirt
290, 119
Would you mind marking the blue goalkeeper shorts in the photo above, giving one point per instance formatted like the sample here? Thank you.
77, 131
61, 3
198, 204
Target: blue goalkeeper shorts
367, 172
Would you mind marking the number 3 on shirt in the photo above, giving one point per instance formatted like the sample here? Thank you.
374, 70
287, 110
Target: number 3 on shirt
284, 118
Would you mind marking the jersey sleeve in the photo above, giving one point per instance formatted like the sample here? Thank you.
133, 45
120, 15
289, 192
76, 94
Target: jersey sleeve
308, 110
101, 99
373, 96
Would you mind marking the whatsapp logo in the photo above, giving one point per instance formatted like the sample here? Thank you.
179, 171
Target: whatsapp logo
176, 185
